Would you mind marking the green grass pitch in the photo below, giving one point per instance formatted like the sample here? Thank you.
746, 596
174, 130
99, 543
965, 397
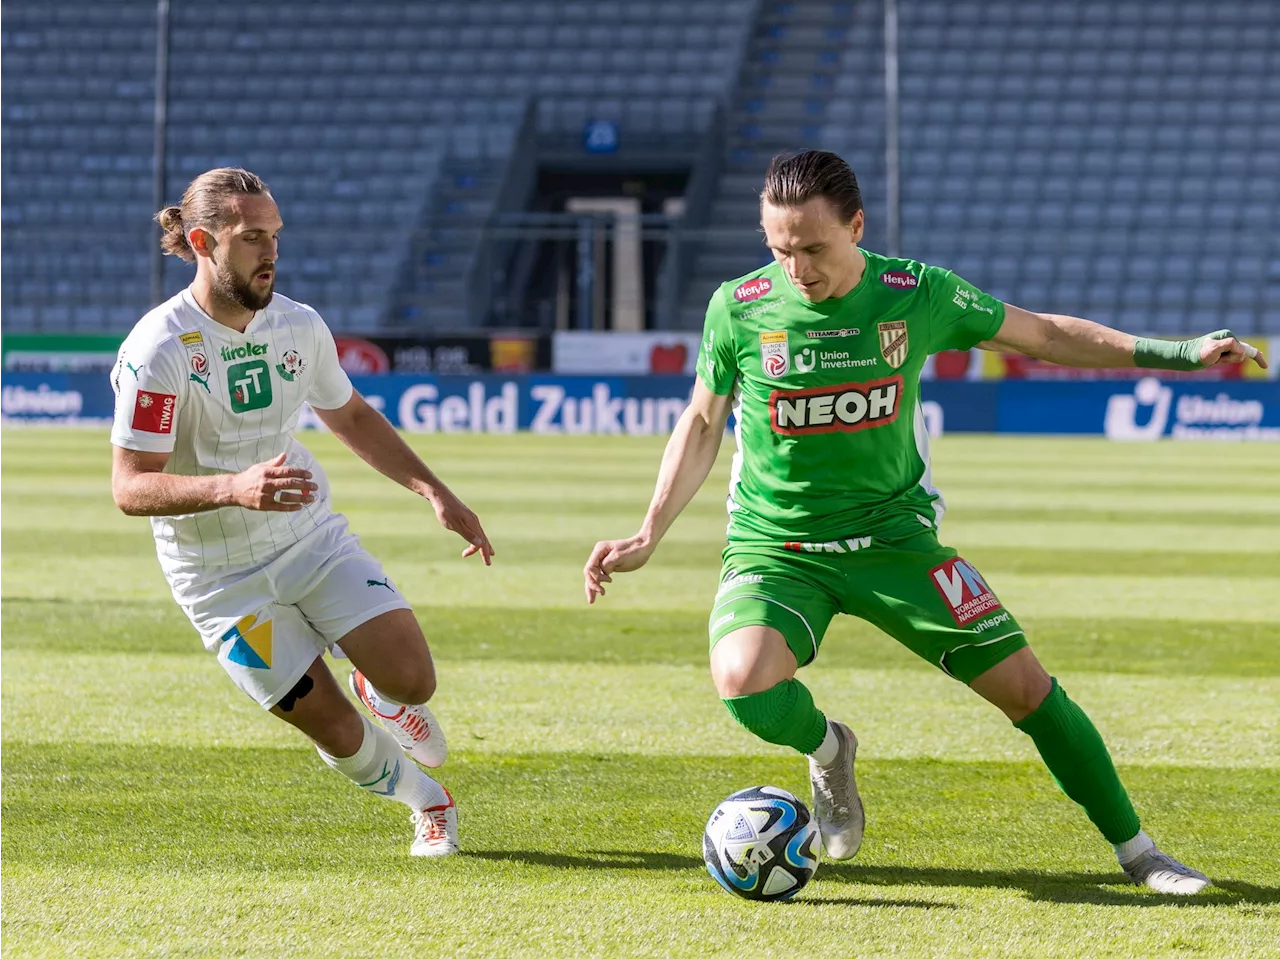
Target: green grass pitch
149, 808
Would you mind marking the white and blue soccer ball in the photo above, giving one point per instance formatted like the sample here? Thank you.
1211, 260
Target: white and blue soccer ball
761, 843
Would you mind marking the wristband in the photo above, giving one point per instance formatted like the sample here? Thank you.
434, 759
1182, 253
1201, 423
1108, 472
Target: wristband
1173, 354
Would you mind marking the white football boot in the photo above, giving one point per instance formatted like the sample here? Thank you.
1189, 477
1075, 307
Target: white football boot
435, 830
414, 727
836, 804
1163, 873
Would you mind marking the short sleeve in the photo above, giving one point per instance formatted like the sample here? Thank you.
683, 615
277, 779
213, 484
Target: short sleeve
718, 356
330, 386
150, 388
961, 316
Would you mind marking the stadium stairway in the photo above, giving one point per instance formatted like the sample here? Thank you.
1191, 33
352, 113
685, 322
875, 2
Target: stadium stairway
780, 104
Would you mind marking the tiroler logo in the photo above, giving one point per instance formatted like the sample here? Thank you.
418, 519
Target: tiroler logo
230, 353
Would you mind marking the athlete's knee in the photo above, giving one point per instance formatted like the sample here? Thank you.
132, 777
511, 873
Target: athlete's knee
411, 684
1017, 686
751, 660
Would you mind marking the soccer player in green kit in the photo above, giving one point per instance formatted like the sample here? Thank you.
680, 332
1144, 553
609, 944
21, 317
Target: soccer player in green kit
832, 507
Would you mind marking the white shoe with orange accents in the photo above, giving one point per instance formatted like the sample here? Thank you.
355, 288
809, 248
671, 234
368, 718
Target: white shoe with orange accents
435, 830
414, 727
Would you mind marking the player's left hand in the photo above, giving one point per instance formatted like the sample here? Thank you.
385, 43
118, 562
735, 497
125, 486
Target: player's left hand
1229, 349
455, 517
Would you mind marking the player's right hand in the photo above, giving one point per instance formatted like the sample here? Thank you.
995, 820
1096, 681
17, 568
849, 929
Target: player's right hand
615, 556
272, 486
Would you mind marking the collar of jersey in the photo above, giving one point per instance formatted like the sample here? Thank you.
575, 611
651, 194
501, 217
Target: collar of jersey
831, 305
213, 325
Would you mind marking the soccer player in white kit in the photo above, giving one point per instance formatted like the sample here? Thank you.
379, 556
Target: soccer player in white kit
208, 387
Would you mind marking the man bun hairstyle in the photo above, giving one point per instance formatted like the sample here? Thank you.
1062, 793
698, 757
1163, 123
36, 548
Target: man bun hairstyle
204, 204
793, 179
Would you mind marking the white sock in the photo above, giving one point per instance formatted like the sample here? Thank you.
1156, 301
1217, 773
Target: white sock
380, 766
826, 754
1127, 852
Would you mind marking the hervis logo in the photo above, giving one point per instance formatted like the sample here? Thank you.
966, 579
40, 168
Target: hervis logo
899, 280
967, 594
250, 643
753, 289
230, 353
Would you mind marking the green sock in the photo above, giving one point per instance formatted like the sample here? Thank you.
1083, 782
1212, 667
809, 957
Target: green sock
1077, 757
783, 714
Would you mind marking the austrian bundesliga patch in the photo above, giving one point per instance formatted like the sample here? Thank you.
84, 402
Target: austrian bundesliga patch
774, 356
893, 342
965, 591
153, 412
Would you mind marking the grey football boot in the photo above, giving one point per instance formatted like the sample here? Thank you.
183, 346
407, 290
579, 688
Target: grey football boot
836, 804
1161, 872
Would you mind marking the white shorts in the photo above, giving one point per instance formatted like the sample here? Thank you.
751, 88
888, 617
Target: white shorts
269, 623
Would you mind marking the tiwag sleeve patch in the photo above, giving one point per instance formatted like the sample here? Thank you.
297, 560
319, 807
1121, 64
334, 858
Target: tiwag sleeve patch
154, 412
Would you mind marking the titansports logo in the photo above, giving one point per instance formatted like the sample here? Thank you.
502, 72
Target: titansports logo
845, 408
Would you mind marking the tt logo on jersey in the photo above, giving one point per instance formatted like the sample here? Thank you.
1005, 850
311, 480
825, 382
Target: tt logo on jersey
967, 594
249, 385
845, 408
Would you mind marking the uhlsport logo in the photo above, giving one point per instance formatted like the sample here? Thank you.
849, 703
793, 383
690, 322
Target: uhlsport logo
249, 643
230, 353
753, 289
966, 593
774, 357
846, 408
899, 280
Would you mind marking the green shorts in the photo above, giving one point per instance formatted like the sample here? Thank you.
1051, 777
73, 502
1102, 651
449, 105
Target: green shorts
919, 592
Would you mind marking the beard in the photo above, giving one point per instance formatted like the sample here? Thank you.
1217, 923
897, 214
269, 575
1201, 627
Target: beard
229, 286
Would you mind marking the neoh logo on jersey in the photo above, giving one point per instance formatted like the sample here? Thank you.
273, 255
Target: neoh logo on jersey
846, 408
774, 357
153, 412
899, 280
967, 593
753, 289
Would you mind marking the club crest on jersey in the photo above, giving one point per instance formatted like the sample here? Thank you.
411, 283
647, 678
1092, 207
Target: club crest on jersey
845, 408
753, 289
291, 365
774, 357
893, 342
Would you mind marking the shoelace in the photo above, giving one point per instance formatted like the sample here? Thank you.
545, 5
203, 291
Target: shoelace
829, 781
416, 726
431, 825
1162, 862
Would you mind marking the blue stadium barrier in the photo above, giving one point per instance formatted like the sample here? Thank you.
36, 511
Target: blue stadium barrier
649, 405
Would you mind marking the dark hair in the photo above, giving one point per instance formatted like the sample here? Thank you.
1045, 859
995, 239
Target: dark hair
793, 179
204, 205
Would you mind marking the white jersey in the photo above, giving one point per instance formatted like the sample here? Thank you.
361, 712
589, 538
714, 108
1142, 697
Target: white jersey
219, 401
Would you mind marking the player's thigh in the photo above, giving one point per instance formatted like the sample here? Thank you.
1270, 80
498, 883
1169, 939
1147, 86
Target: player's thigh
392, 653
317, 706
791, 595
935, 603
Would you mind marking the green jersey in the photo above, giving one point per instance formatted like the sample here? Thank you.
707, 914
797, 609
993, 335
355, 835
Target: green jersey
832, 444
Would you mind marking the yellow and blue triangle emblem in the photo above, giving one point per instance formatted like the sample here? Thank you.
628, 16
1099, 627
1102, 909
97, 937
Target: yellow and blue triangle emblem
250, 644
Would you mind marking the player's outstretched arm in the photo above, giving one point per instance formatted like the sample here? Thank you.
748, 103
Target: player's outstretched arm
367, 433
686, 463
1072, 341
140, 487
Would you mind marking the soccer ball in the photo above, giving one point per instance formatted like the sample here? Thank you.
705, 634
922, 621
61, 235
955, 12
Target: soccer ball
761, 843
